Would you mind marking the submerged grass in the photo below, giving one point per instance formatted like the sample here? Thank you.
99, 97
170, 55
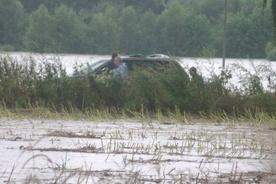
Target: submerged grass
154, 147
255, 118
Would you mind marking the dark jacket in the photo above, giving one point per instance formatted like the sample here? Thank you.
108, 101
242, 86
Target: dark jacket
111, 64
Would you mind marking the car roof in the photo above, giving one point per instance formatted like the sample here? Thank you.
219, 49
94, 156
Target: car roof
130, 60
153, 57
144, 59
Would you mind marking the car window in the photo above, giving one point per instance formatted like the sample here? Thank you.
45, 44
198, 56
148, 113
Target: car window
149, 65
137, 64
133, 64
94, 66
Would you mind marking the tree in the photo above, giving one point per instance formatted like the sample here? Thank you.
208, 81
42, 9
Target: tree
183, 32
261, 32
247, 35
273, 9
68, 31
212, 9
103, 32
156, 6
128, 23
31, 5
147, 34
270, 51
39, 36
12, 23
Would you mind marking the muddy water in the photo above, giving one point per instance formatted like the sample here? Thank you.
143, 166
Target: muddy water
129, 151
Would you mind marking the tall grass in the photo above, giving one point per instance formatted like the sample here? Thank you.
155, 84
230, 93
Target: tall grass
25, 85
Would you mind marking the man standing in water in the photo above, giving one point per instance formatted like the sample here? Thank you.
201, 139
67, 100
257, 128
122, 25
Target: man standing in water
120, 68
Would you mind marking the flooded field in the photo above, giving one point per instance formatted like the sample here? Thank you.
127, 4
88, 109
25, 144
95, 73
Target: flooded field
128, 151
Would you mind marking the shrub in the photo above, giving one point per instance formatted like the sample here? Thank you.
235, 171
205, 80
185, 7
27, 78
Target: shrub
160, 89
26, 84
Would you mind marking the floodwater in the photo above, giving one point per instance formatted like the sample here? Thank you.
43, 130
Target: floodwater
129, 151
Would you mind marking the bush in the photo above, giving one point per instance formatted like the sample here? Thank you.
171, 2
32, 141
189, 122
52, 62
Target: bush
163, 89
160, 89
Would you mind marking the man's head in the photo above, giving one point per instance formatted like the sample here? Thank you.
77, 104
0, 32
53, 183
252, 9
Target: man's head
114, 55
117, 61
192, 71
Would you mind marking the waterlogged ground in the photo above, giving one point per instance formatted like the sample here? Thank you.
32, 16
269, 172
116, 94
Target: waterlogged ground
128, 151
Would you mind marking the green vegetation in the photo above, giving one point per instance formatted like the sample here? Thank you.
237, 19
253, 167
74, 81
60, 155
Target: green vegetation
270, 51
174, 27
47, 86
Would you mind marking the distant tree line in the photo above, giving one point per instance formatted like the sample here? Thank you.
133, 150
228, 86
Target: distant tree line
188, 28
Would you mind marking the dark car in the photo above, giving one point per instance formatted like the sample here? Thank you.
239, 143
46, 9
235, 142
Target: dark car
154, 61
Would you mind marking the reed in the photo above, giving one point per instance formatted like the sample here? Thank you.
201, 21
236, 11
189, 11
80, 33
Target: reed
45, 90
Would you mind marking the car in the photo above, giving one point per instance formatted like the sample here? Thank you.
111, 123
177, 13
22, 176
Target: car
135, 62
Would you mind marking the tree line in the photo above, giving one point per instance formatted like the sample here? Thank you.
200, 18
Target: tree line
188, 28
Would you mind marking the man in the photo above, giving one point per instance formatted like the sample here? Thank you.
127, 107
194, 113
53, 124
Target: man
196, 80
120, 68
110, 63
